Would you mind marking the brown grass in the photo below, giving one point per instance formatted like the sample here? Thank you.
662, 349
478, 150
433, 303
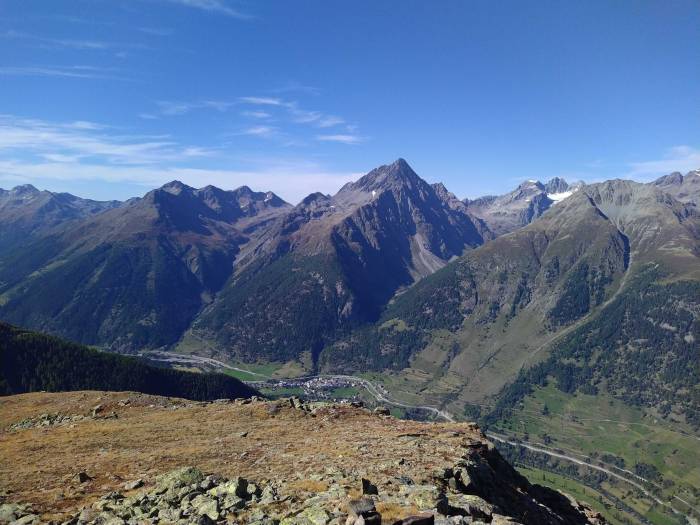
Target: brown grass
152, 435
393, 512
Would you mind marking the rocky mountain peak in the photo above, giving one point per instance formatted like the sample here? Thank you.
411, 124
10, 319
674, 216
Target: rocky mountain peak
24, 190
315, 199
674, 178
175, 187
243, 191
685, 188
556, 185
531, 185
247, 198
389, 177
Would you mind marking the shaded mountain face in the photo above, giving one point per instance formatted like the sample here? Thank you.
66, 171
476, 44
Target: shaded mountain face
333, 262
685, 188
251, 275
467, 330
506, 213
136, 275
26, 211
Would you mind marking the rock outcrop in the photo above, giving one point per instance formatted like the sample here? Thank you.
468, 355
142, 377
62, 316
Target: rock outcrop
257, 462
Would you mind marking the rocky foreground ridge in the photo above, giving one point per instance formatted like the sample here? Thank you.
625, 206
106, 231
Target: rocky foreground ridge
116, 458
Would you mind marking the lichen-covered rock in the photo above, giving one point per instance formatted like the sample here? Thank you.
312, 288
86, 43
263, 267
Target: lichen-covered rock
205, 505
426, 497
503, 520
469, 505
309, 516
181, 477
304, 470
235, 487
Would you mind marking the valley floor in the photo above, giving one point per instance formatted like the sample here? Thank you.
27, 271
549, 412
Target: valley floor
661, 457
591, 430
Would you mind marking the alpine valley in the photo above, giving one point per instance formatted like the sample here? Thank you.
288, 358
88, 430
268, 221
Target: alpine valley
565, 318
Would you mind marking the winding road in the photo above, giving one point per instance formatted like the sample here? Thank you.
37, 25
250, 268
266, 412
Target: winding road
504, 439
381, 396
169, 357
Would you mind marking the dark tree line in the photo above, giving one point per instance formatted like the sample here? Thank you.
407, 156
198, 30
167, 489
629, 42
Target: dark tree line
32, 362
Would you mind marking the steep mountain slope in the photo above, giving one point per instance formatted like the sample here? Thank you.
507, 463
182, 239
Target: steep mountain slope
333, 262
26, 211
134, 275
506, 213
270, 280
31, 362
467, 330
685, 188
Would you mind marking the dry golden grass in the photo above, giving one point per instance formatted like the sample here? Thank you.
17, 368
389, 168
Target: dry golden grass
308, 485
152, 435
393, 512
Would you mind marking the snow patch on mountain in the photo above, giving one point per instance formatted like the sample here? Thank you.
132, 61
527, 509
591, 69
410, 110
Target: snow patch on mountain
558, 197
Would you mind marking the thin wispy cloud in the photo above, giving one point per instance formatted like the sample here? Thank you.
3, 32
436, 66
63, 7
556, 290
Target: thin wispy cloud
169, 108
257, 114
317, 118
291, 182
38, 151
260, 131
297, 87
678, 158
299, 115
329, 121
86, 72
213, 6
287, 116
84, 124
87, 140
341, 138
262, 101
57, 42
156, 31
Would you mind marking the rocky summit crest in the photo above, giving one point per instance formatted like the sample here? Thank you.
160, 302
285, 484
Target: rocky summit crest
259, 462
392, 176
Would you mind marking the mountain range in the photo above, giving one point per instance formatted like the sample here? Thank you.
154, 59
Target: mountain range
389, 273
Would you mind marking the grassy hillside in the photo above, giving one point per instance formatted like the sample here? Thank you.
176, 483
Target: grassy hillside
642, 349
31, 362
470, 326
622, 438
622, 391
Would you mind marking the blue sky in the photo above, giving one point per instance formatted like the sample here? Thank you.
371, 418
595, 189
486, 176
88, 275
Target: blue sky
108, 99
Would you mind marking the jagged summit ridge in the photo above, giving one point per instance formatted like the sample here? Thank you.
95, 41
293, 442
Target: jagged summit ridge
506, 213
685, 188
357, 250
